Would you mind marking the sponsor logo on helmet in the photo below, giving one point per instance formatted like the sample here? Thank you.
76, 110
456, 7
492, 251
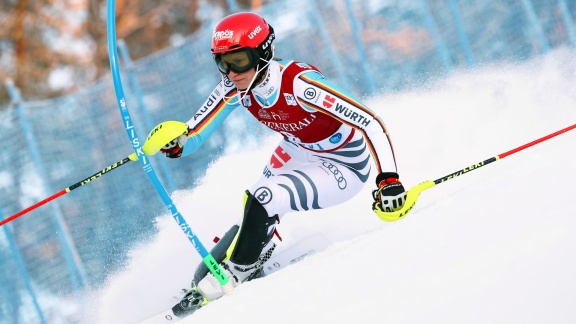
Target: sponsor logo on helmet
268, 41
225, 34
303, 65
255, 32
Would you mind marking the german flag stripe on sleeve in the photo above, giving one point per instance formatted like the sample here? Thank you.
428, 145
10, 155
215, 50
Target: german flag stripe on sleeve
366, 138
344, 97
353, 103
213, 113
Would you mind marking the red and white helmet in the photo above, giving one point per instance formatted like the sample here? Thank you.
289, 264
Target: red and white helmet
244, 30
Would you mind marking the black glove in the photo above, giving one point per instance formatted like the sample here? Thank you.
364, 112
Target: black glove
175, 148
390, 195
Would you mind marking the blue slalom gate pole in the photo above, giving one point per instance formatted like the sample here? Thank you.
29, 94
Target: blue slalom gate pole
207, 258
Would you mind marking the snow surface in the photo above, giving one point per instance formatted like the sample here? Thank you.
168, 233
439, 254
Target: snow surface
495, 245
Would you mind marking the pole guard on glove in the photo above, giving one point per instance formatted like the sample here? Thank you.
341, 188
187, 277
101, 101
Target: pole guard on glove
175, 147
390, 195
411, 198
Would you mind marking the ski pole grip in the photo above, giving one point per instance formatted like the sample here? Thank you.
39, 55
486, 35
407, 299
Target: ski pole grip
411, 198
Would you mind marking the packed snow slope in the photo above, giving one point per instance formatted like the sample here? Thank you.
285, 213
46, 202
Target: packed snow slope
495, 245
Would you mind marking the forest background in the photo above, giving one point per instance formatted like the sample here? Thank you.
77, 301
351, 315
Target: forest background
50, 48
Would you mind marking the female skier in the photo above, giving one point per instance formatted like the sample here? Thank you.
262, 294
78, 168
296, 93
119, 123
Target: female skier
322, 160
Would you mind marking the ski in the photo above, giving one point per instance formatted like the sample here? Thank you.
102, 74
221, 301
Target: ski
293, 254
308, 246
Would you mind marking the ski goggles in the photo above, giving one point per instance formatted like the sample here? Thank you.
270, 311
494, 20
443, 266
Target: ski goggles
238, 61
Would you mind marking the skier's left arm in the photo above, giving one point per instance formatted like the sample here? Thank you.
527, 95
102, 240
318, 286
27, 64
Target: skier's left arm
314, 92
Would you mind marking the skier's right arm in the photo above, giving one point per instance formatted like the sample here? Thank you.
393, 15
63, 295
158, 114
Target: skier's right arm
221, 102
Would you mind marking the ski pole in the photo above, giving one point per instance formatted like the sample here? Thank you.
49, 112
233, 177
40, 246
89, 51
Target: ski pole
414, 192
67, 190
207, 257
158, 137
